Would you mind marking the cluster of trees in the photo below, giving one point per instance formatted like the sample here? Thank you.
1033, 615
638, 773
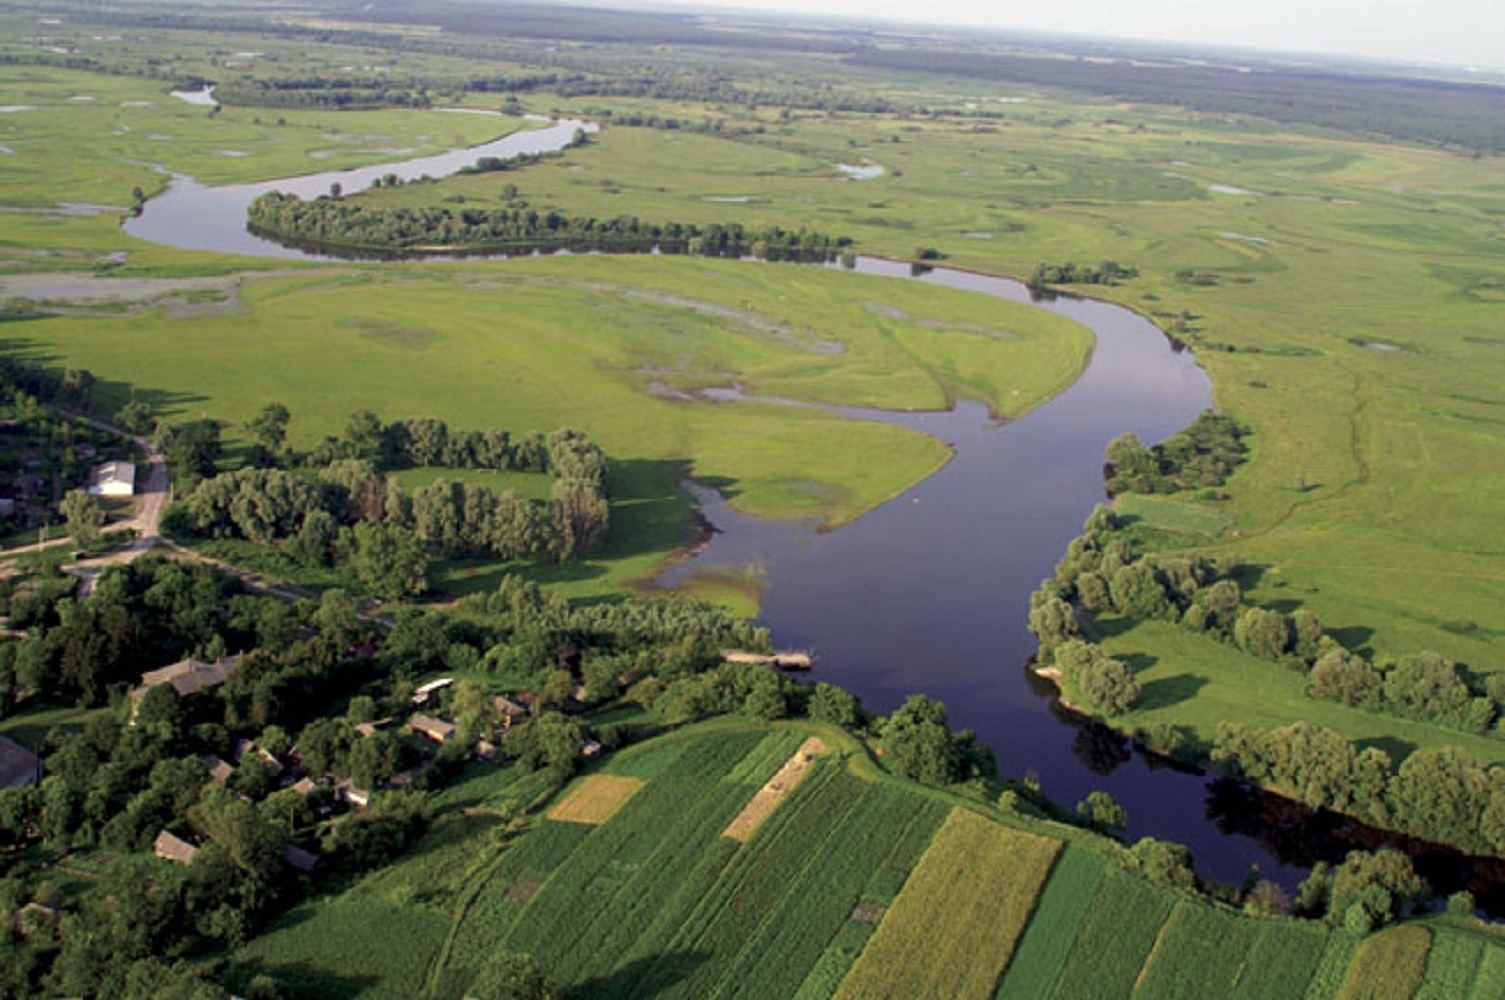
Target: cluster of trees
714, 87
1200, 457
669, 123
339, 93
1440, 795
1109, 272
347, 513
335, 222
1366, 891
1424, 686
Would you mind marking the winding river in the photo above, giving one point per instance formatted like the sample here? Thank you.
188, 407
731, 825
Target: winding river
930, 592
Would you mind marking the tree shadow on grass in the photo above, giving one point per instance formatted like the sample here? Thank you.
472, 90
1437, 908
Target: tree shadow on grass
1397, 748
1168, 691
304, 979
643, 977
1354, 637
1111, 627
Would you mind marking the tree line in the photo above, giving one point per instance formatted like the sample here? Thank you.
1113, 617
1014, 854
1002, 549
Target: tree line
336, 222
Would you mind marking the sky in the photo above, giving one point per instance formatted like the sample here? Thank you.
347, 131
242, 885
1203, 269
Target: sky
1443, 32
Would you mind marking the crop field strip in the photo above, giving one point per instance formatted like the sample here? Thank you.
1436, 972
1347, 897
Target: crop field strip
1114, 941
626, 867
768, 798
954, 926
594, 799
1389, 965
1043, 950
1201, 951
1332, 967
1283, 960
1490, 982
1452, 966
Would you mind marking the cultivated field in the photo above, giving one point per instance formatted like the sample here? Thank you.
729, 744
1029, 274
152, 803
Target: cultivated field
953, 928
594, 799
856, 885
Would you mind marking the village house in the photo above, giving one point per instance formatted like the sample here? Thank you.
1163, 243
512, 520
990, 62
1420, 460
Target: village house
18, 766
113, 479
172, 848
438, 730
220, 771
423, 692
187, 677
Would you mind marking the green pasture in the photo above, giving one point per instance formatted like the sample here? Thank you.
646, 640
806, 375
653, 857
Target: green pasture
615, 347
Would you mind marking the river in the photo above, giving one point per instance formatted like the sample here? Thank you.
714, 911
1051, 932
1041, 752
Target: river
930, 592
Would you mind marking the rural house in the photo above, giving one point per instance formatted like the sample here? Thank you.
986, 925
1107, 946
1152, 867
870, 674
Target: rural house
438, 730
113, 479
187, 677
170, 847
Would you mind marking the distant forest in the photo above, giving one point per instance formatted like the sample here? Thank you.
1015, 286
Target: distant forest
1435, 112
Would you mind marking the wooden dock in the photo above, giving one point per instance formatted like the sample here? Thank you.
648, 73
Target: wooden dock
785, 659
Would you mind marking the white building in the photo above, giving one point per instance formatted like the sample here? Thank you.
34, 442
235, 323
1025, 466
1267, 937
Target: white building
113, 479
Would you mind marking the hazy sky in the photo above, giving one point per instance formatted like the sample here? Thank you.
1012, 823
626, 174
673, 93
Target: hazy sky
1452, 32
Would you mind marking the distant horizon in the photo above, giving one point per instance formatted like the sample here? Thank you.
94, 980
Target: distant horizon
1462, 35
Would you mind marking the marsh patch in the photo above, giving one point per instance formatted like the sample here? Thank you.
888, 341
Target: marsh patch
393, 334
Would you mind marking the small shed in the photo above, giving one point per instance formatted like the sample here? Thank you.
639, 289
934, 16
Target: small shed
297, 858
358, 798
113, 479
18, 766
170, 847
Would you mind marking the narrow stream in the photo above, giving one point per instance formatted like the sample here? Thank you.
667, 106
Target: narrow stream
930, 592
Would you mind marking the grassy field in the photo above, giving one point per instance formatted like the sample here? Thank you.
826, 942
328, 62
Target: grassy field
609, 346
